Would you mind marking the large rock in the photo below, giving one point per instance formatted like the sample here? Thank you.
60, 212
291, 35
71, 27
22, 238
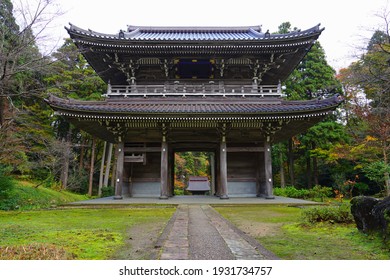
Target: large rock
371, 214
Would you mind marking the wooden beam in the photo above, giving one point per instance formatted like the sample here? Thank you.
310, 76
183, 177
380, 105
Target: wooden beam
134, 158
245, 149
119, 170
142, 149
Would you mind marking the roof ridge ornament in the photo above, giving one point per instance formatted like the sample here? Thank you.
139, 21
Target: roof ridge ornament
256, 33
132, 33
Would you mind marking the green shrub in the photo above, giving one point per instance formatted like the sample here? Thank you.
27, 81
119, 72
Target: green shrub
316, 192
292, 192
320, 192
7, 185
78, 182
107, 191
361, 187
332, 214
177, 191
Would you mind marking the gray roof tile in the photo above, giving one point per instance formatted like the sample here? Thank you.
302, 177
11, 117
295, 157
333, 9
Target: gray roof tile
161, 106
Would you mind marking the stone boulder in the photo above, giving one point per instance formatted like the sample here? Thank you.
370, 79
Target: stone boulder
371, 214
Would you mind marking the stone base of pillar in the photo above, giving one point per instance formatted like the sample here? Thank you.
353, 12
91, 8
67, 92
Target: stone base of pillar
117, 197
225, 196
163, 197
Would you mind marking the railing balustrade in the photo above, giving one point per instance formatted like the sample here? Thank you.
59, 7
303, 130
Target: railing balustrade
193, 89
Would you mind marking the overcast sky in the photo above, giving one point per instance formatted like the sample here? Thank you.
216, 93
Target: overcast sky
347, 22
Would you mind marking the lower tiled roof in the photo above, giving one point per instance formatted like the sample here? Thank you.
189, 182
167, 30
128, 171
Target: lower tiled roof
194, 106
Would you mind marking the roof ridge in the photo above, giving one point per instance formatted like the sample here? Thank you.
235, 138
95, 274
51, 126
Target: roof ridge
131, 28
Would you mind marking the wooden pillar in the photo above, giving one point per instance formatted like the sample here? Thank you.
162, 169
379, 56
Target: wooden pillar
164, 192
108, 165
217, 174
223, 169
92, 167
101, 174
268, 191
259, 162
120, 152
212, 173
171, 171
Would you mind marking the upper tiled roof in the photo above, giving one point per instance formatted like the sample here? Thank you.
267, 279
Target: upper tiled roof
272, 56
143, 33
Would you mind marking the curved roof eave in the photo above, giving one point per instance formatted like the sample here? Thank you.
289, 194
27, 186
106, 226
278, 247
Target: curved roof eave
191, 34
228, 109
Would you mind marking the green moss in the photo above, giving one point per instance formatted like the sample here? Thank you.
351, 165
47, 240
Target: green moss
83, 233
290, 239
265, 214
24, 196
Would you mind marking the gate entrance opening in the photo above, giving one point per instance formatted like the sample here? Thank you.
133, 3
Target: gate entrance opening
194, 173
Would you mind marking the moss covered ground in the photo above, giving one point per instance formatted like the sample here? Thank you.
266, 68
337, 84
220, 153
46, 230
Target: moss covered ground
92, 234
280, 229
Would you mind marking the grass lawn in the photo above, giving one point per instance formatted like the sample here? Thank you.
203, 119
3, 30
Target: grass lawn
24, 196
279, 229
76, 233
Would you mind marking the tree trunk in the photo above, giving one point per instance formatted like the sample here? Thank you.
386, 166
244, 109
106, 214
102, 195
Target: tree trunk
308, 172
66, 157
101, 174
315, 171
291, 162
108, 165
81, 160
2, 110
387, 176
92, 167
315, 167
65, 167
282, 175
113, 171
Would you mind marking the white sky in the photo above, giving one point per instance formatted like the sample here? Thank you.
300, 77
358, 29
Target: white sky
348, 23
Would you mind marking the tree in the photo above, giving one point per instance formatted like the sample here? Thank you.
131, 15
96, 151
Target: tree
317, 142
71, 77
22, 67
312, 78
367, 86
190, 164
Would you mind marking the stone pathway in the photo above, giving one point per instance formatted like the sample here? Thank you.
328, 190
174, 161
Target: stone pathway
198, 232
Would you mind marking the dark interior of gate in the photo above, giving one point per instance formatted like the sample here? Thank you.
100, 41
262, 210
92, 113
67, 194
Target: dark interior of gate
245, 169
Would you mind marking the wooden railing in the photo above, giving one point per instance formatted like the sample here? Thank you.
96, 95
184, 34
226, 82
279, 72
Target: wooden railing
185, 89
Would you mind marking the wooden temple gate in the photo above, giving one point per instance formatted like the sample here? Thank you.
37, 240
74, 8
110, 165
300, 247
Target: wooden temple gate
215, 89
154, 168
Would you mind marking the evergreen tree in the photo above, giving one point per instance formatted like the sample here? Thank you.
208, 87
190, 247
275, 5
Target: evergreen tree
312, 78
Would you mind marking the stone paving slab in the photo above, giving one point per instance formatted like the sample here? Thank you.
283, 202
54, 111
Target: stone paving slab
176, 246
199, 232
